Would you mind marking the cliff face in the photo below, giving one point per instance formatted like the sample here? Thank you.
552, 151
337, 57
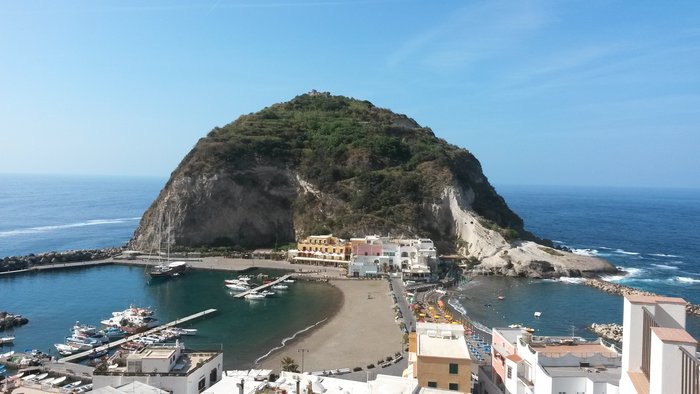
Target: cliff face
322, 163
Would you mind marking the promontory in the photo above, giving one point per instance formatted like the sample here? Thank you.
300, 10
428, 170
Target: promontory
321, 163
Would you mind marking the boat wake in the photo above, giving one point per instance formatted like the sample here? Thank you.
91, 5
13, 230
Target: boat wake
285, 340
43, 229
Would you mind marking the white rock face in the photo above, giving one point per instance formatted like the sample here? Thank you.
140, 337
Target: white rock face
522, 258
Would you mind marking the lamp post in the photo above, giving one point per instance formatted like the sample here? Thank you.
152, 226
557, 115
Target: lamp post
302, 351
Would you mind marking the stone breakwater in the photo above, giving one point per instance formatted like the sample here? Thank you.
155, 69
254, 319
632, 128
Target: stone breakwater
612, 332
16, 263
622, 290
8, 320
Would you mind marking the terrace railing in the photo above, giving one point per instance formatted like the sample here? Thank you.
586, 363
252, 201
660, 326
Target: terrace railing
690, 373
647, 323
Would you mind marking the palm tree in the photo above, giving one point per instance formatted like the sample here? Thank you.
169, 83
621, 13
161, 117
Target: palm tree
289, 365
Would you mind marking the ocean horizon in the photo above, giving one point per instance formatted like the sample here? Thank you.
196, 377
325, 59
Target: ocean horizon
651, 234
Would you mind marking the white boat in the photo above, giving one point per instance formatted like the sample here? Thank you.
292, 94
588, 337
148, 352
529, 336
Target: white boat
72, 385
237, 286
280, 287
8, 354
40, 377
188, 331
29, 377
66, 350
266, 293
538, 314
5, 340
254, 296
47, 381
289, 281
58, 381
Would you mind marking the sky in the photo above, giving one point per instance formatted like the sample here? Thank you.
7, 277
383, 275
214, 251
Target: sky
594, 93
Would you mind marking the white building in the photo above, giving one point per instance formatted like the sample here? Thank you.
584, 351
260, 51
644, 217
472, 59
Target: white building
374, 255
135, 387
241, 382
659, 355
526, 364
167, 367
382, 384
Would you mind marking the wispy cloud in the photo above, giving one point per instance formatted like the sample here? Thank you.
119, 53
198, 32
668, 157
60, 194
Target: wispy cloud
471, 34
219, 4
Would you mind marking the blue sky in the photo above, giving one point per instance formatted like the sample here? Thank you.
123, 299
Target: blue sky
563, 92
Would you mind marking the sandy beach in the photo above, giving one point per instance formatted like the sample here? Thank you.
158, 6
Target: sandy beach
362, 332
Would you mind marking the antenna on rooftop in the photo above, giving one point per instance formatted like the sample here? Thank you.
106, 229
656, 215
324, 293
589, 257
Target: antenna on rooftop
573, 330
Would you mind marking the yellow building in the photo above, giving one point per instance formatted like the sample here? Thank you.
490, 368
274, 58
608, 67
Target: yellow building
439, 357
325, 250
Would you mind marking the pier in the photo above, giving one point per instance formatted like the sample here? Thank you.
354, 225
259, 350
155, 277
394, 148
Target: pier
111, 345
263, 287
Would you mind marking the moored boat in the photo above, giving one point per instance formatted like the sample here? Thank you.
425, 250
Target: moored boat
6, 340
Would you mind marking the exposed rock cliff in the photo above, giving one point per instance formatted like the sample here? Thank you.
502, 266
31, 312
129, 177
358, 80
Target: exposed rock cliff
322, 163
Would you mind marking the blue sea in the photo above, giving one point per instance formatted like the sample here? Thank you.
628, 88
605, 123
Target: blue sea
652, 234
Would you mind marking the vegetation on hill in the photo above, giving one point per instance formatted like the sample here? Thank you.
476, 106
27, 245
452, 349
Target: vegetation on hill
375, 170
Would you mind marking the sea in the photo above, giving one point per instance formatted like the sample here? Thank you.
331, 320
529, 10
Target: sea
55, 213
653, 235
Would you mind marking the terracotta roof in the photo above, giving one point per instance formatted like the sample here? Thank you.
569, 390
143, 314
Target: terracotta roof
646, 299
673, 335
514, 358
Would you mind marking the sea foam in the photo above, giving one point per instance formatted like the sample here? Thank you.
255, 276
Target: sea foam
585, 252
685, 280
43, 229
665, 267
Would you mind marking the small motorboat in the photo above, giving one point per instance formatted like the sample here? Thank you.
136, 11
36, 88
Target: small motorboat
289, 281
29, 377
6, 340
254, 296
538, 314
73, 384
239, 286
58, 381
39, 377
280, 287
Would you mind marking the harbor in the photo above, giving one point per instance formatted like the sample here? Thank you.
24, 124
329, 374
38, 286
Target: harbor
155, 330
263, 286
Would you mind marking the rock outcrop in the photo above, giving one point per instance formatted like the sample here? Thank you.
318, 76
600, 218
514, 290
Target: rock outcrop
9, 320
611, 332
321, 163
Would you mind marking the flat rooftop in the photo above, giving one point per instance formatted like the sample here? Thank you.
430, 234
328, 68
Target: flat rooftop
434, 346
186, 363
159, 353
581, 350
601, 374
510, 334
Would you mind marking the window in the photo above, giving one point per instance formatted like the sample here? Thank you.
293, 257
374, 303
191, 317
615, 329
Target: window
432, 384
454, 368
202, 384
212, 377
510, 373
454, 386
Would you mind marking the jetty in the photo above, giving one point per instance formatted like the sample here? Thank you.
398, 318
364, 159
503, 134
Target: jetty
111, 345
263, 287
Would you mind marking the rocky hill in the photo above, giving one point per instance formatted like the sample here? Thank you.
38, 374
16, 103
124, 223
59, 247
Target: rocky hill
321, 163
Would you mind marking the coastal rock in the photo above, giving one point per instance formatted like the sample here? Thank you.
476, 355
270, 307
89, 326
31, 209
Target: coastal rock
321, 163
622, 290
16, 263
612, 332
8, 320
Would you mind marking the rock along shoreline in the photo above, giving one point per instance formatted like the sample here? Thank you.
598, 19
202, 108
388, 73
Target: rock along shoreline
622, 290
21, 263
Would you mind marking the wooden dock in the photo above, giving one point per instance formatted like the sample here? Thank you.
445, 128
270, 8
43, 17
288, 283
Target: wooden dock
263, 287
110, 345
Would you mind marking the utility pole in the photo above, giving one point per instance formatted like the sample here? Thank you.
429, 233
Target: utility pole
302, 351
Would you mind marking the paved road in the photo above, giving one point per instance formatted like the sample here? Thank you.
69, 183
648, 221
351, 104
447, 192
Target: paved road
408, 318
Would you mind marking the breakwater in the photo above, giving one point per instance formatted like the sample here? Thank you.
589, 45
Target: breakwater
612, 332
622, 290
30, 261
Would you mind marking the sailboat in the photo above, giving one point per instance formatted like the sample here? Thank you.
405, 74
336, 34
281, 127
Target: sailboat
168, 269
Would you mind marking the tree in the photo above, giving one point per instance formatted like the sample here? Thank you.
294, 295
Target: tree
289, 365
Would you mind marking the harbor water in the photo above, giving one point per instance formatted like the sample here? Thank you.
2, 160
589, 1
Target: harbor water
244, 329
